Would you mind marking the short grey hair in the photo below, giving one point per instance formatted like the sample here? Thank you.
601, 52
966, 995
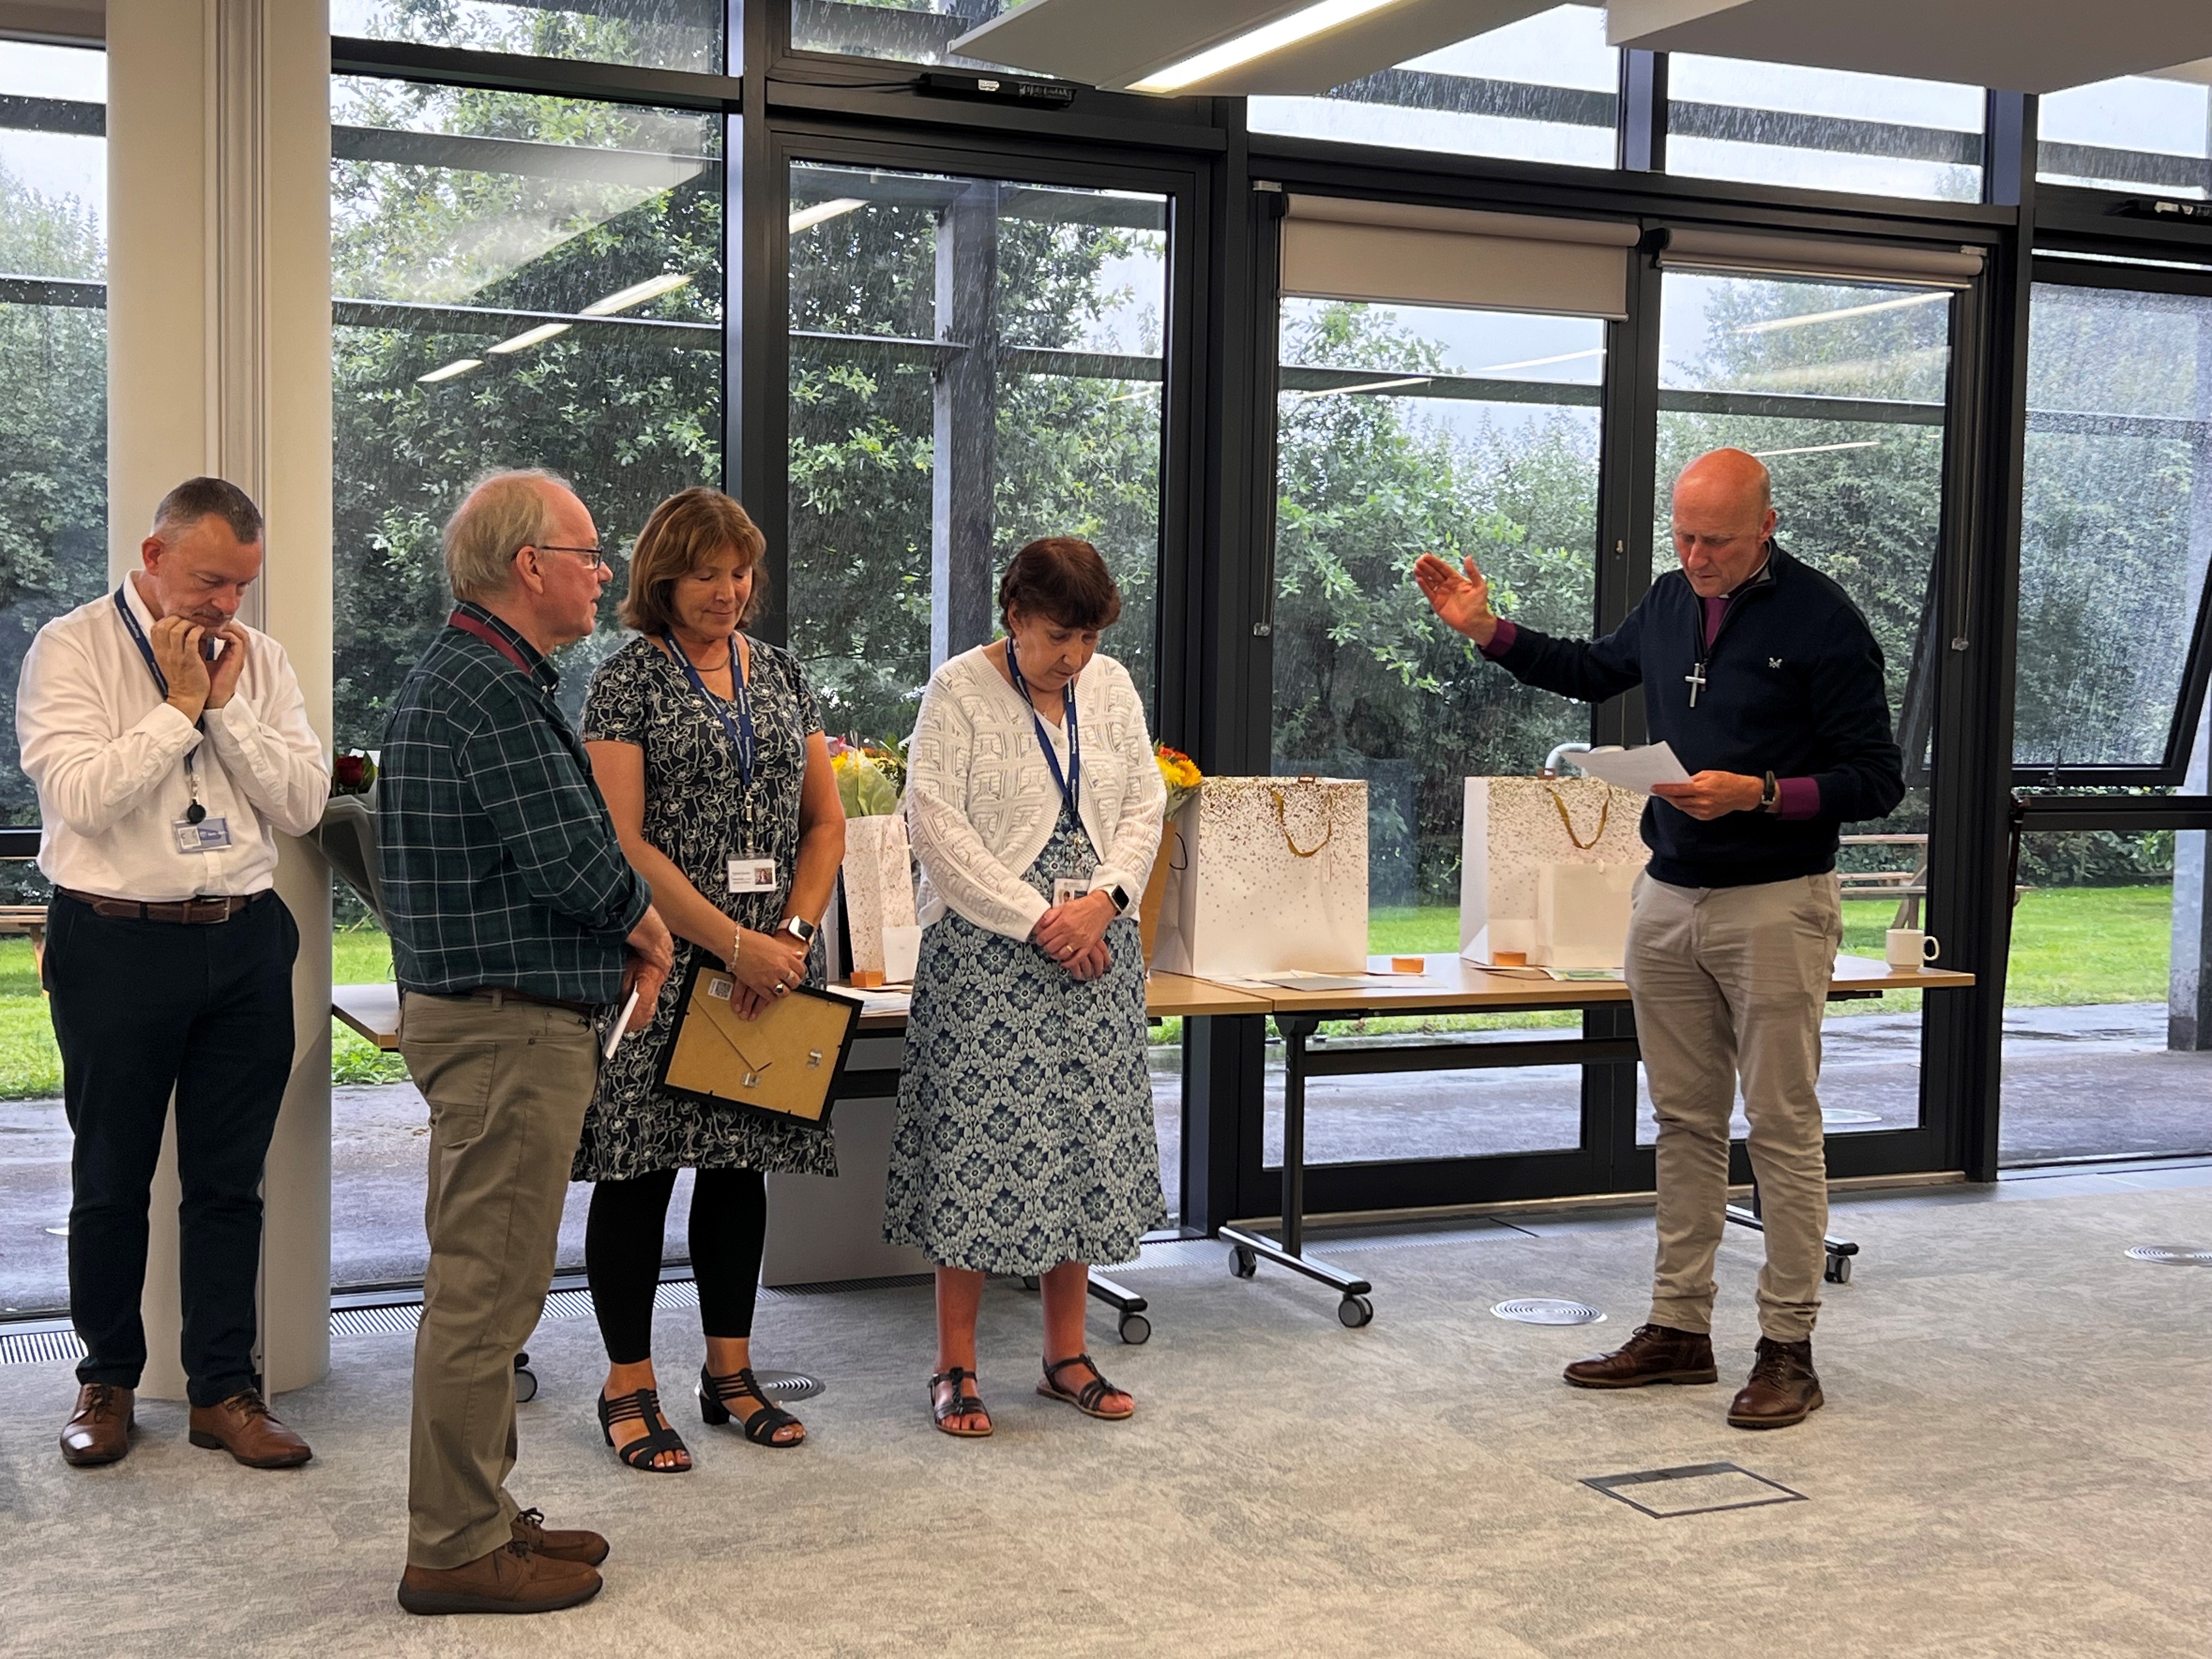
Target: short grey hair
504, 512
196, 498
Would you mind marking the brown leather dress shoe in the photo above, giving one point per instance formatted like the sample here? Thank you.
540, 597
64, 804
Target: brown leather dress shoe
1783, 1388
243, 1426
512, 1578
557, 1544
1656, 1353
99, 1430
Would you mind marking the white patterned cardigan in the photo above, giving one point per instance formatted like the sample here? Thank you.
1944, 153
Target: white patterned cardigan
980, 802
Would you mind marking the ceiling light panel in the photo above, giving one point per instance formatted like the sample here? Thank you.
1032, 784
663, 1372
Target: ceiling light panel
1310, 46
2019, 45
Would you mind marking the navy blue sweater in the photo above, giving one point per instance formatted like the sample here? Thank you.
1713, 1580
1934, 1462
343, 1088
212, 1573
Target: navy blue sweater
1793, 686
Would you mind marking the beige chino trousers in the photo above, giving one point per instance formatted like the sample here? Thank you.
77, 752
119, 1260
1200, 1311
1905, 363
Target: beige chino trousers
1729, 981
507, 1084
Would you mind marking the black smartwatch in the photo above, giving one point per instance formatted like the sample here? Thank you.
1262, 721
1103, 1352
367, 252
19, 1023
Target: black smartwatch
1120, 896
1770, 798
799, 928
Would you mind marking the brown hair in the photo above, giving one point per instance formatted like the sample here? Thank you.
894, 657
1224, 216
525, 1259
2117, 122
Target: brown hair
1062, 579
681, 534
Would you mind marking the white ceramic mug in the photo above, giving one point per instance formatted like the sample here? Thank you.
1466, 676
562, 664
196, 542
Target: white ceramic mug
1911, 948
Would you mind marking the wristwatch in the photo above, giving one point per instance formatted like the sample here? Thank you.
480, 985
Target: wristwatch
799, 928
1770, 798
1120, 895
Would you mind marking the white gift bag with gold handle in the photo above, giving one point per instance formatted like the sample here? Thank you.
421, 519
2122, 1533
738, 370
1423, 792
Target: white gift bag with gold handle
879, 884
1517, 826
1276, 880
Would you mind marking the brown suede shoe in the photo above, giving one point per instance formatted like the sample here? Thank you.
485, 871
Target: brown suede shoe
243, 1426
587, 1547
1783, 1388
99, 1430
512, 1578
1654, 1354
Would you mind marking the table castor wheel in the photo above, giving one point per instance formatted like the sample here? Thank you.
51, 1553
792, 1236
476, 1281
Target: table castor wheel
1242, 1263
1135, 1329
1838, 1270
1355, 1311
526, 1380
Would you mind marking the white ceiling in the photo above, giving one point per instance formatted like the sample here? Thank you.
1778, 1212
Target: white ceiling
2019, 45
1117, 43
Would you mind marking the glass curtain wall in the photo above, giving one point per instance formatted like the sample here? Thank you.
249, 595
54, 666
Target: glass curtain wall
1543, 90
1402, 430
974, 362
1779, 124
520, 281
53, 557
905, 31
676, 34
1839, 388
2139, 134
2102, 1052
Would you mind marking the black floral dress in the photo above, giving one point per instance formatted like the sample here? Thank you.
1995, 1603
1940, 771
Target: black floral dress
695, 813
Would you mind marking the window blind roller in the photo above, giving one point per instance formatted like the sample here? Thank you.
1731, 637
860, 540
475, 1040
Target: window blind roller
1795, 256
1393, 254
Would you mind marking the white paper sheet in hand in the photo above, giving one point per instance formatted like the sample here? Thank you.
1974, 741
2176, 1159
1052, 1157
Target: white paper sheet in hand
1634, 768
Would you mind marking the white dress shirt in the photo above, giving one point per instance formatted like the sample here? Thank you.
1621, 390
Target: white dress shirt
980, 802
107, 753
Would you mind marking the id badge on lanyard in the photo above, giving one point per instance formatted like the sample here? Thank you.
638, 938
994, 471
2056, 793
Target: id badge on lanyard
195, 832
747, 873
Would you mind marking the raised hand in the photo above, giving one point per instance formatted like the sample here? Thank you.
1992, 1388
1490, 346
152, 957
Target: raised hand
1461, 602
222, 677
176, 642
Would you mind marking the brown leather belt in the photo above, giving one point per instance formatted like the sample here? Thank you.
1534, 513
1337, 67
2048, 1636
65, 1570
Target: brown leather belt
495, 995
193, 912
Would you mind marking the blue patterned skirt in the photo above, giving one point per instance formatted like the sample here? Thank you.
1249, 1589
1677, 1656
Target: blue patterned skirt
1024, 1135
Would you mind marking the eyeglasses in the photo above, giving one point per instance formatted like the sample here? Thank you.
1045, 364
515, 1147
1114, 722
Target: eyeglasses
597, 556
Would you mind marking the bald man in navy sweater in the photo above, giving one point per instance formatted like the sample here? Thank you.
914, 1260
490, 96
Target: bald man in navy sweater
1767, 682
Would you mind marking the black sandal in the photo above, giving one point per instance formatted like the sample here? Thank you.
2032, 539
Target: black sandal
643, 1407
963, 1402
1085, 1398
715, 1392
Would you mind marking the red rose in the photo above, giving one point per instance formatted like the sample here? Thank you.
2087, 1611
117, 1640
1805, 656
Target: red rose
350, 771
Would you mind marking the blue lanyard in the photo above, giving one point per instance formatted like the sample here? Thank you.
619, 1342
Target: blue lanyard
1073, 781
740, 732
194, 813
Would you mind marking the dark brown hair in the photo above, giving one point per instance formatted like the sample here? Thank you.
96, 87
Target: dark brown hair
1062, 579
684, 532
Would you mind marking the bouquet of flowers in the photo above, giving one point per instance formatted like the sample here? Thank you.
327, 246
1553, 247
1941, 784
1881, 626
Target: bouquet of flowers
353, 772
1181, 775
863, 782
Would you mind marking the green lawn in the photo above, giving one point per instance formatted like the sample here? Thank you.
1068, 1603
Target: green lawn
2070, 946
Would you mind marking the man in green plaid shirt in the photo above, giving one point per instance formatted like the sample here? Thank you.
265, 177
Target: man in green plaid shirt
516, 924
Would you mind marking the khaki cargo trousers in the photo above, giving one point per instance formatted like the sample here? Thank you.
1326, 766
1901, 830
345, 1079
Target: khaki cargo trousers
1732, 982
507, 1084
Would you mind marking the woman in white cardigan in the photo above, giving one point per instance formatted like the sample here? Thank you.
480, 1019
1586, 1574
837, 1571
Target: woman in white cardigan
1024, 1142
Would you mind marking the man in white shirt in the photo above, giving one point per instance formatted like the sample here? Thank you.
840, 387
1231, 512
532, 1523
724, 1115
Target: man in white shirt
163, 778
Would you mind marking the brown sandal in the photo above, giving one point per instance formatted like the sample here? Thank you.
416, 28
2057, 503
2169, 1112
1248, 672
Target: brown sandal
963, 1401
1085, 1398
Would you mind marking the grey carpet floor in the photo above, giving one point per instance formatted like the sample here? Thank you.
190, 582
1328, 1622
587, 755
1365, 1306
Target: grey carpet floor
2016, 1459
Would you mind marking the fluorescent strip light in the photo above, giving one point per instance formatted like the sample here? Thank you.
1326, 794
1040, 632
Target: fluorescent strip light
1812, 317
1544, 362
1814, 449
636, 294
1365, 385
823, 212
529, 337
461, 366
1267, 39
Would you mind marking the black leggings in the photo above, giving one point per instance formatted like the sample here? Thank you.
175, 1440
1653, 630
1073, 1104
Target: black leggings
622, 1254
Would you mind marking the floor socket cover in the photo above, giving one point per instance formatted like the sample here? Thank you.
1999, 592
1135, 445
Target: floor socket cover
1541, 1310
2173, 1256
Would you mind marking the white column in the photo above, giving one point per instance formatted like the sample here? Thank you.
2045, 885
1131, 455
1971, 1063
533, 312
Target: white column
219, 361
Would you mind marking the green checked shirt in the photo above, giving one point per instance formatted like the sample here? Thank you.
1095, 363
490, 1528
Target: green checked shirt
500, 866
